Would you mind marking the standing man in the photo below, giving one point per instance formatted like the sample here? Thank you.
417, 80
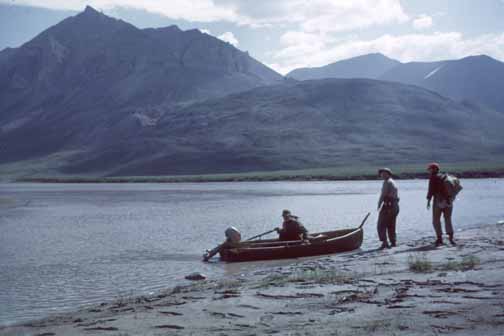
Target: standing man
388, 205
442, 204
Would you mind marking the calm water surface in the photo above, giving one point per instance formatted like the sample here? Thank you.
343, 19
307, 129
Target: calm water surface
66, 245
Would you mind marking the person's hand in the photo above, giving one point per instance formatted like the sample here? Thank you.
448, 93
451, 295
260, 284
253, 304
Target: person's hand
277, 229
428, 205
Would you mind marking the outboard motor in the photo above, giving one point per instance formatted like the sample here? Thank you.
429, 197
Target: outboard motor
233, 235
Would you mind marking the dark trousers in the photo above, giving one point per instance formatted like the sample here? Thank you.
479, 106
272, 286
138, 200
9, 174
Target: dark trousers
436, 220
387, 223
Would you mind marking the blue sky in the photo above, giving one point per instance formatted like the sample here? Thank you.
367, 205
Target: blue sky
287, 34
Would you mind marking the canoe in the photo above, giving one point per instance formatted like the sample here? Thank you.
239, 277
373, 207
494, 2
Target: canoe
322, 243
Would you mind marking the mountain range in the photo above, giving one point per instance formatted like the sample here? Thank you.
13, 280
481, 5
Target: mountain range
370, 66
106, 98
478, 79
319, 123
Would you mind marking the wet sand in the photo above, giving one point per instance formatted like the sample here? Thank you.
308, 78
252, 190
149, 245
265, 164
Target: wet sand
413, 289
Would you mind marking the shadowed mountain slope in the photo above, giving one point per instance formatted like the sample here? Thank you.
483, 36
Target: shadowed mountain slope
310, 124
78, 79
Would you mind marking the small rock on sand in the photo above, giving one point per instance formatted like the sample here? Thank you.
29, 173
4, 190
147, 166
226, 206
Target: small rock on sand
196, 276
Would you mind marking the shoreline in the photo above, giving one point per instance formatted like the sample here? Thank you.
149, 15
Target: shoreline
248, 178
414, 288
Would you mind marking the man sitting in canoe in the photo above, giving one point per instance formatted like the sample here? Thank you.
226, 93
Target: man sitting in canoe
291, 229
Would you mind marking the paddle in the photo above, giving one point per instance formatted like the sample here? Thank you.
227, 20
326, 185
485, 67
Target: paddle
364, 220
260, 235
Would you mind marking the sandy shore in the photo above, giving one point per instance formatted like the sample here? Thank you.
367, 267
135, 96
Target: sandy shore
414, 289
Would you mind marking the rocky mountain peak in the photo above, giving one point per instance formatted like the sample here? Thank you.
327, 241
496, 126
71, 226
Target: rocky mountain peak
481, 59
90, 11
90, 16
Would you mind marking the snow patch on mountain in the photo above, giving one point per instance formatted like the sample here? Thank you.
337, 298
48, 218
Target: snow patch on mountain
430, 74
14, 124
145, 120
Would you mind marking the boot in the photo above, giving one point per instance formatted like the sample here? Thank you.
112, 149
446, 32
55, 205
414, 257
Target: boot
384, 245
393, 244
438, 241
452, 241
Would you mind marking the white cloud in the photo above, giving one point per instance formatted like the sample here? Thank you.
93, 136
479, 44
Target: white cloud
193, 10
310, 15
320, 15
422, 22
229, 37
336, 16
303, 50
205, 31
281, 69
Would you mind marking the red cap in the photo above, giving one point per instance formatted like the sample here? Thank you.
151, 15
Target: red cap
433, 165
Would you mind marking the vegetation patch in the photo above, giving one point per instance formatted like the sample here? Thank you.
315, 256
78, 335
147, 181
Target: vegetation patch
228, 283
348, 172
6, 201
317, 275
419, 264
467, 263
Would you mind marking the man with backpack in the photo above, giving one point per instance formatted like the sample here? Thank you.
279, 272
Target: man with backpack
443, 188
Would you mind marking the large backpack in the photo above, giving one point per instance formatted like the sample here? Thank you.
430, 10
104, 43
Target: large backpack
452, 186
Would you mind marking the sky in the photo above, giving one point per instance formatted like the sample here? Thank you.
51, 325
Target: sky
289, 34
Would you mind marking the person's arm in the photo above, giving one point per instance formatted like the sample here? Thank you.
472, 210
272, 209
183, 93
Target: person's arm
430, 192
211, 253
304, 232
280, 230
384, 191
393, 191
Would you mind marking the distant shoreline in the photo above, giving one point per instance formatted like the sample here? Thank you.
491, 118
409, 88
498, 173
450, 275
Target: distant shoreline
253, 178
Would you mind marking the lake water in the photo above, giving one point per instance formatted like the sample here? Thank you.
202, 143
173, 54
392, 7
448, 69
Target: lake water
66, 245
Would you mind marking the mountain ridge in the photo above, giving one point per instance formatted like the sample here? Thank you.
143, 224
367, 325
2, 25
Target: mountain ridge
310, 124
365, 66
478, 78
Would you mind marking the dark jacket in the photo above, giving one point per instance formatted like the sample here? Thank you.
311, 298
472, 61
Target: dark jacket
292, 229
437, 188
